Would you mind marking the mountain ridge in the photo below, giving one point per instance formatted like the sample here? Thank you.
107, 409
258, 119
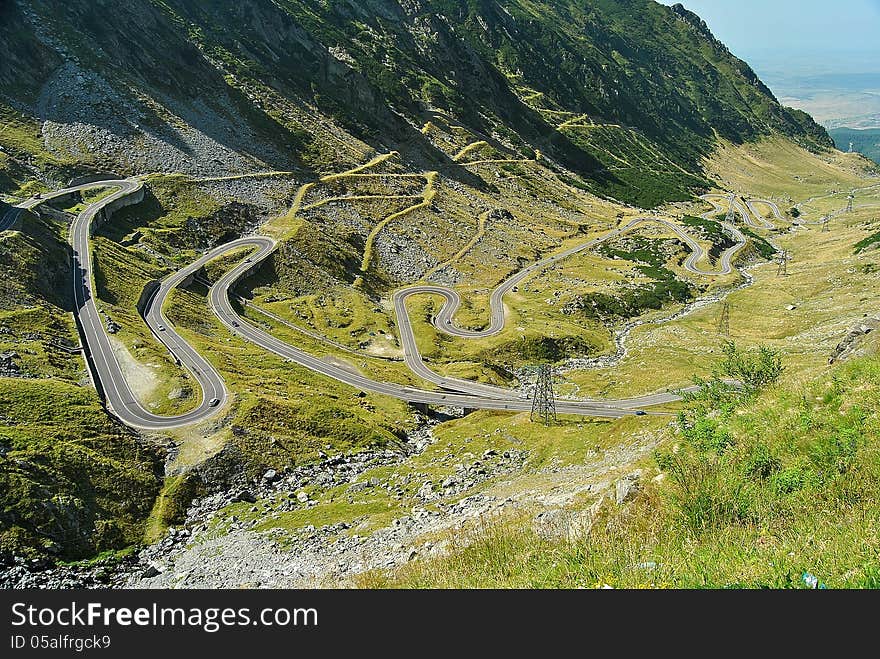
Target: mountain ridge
382, 143
290, 71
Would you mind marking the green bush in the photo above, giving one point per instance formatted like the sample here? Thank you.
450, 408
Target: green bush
754, 370
788, 480
762, 463
704, 493
765, 249
867, 243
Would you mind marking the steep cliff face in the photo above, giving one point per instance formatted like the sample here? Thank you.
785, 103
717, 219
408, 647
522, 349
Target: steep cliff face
240, 86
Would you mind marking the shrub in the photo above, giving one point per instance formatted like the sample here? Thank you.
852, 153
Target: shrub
788, 480
761, 463
704, 494
754, 370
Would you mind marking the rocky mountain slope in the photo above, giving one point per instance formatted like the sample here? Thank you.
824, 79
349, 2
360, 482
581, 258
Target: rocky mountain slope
170, 86
382, 142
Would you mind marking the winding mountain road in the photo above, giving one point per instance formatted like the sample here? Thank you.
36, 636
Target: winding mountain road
444, 319
103, 363
111, 380
748, 213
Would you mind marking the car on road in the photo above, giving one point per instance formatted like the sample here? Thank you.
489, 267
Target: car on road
640, 413
214, 402
235, 323
161, 328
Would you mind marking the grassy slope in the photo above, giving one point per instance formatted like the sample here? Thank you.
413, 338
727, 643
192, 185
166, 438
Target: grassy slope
796, 491
21, 142
74, 483
866, 142
281, 413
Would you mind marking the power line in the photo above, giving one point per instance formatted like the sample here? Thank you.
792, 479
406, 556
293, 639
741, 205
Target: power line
544, 400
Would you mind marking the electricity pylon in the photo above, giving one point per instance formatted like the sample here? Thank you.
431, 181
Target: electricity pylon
849, 203
544, 400
724, 320
825, 223
731, 212
783, 263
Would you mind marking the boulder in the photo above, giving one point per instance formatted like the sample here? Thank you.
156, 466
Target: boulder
245, 495
627, 487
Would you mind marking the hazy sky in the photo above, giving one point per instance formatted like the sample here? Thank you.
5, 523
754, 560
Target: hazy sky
827, 33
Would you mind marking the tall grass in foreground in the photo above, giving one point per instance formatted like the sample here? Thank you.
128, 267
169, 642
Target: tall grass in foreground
760, 485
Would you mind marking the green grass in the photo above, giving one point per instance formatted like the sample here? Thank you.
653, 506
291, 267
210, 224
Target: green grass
663, 286
867, 243
793, 489
34, 298
170, 506
72, 482
765, 249
282, 414
711, 231
21, 139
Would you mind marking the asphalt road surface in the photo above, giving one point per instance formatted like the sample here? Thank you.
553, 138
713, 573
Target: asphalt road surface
109, 376
444, 320
103, 365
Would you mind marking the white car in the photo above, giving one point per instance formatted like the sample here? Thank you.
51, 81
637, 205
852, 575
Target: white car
214, 402
161, 328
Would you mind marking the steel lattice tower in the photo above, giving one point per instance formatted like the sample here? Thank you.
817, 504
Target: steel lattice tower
544, 400
825, 224
783, 264
849, 203
731, 211
724, 320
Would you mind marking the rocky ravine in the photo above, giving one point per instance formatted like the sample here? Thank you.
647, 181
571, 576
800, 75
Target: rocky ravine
215, 550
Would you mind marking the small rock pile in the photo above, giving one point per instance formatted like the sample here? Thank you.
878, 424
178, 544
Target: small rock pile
853, 344
8, 367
